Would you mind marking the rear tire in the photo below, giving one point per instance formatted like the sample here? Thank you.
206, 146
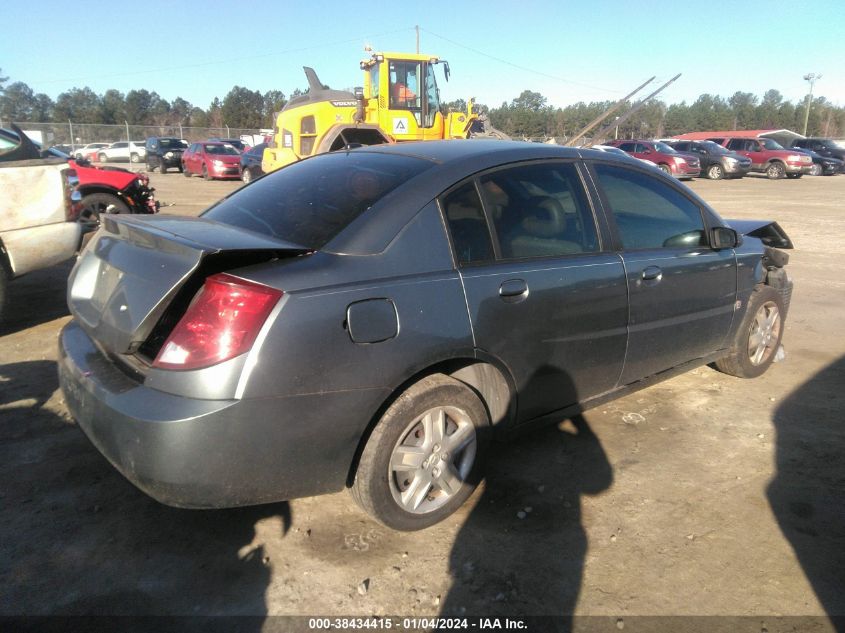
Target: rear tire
102, 158
775, 171
134, 158
162, 167
185, 171
424, 457
96, 204
759, 335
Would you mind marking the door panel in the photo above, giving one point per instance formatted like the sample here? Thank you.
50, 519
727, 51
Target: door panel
681, 292
542, 296
563, 337
681, 314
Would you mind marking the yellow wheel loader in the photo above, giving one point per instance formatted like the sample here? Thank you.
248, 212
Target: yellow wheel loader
400, 101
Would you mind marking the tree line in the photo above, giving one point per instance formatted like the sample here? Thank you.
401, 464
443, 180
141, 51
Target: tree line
530, 116
527, 116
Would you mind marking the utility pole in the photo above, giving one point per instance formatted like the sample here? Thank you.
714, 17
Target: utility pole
417, 29
810, 77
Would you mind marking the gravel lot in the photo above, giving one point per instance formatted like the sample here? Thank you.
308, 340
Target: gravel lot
704, 495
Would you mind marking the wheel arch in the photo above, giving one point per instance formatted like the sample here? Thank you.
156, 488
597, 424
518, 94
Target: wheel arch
363, 133
484, 376
85, 190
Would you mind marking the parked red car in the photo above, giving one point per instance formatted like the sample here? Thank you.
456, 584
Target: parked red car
211, 159
769, 157
678, 164
111, 190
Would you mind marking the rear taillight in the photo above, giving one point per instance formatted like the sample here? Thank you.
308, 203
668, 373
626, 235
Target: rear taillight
222, 322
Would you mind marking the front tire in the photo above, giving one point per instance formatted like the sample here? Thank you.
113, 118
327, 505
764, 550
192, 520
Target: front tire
775, 171
424, 457
794, 176
103, 158
246, 176
759, 336
665, 169
185, 171
96, 204
715, 172
205, 173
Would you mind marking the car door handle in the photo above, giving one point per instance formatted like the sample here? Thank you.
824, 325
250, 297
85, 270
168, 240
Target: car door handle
652, 274
513, 290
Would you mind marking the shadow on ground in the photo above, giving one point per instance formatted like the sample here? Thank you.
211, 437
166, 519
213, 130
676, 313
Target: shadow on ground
77, 539
808, 493
36, 298
529, 517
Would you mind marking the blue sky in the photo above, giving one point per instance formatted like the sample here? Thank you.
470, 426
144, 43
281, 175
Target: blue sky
568, 51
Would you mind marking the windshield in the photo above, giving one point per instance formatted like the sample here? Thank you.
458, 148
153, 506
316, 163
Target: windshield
226, 150
663, 147
309, 202
770, 144
714, 148
834, 144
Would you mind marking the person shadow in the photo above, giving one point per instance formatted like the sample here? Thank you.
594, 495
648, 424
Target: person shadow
79, 540
521, 550
807, 494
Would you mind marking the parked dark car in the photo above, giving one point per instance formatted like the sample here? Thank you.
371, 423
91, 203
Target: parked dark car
668, 159
822, 165
368, 319
822, 146
237, 143
251, 163
164, 152
211, 159
716, 161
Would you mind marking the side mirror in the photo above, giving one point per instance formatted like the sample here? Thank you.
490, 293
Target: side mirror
723, 237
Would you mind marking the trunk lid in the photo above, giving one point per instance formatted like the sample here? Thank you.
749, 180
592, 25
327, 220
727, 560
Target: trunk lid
139, 269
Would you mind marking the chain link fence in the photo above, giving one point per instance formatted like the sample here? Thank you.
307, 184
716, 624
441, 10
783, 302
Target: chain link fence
78, 134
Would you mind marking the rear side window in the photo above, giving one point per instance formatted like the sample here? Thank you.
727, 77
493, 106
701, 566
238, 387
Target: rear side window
649, 213
310, 202
467, 225
539, 210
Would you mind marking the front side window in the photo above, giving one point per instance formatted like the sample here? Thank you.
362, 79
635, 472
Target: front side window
628, 147
467, 224
432, 97
539, 210
649, 213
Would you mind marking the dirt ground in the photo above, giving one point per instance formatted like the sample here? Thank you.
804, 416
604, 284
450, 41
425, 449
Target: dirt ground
703, 495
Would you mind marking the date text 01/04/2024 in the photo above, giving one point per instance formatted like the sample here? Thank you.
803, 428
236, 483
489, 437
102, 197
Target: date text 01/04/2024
414, 624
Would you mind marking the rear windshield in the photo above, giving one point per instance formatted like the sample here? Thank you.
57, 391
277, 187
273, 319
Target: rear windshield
310, 202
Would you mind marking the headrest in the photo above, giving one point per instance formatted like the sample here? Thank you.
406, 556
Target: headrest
544, 218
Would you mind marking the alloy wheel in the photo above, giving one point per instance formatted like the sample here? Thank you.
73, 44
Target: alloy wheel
432, 459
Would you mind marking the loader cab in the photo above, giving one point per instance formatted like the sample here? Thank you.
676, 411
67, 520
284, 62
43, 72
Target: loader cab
402, 95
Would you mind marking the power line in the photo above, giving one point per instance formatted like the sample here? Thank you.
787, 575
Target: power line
530, 70
223, 61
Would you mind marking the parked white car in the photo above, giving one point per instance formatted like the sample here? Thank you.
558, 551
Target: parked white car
132, 151
87, 150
